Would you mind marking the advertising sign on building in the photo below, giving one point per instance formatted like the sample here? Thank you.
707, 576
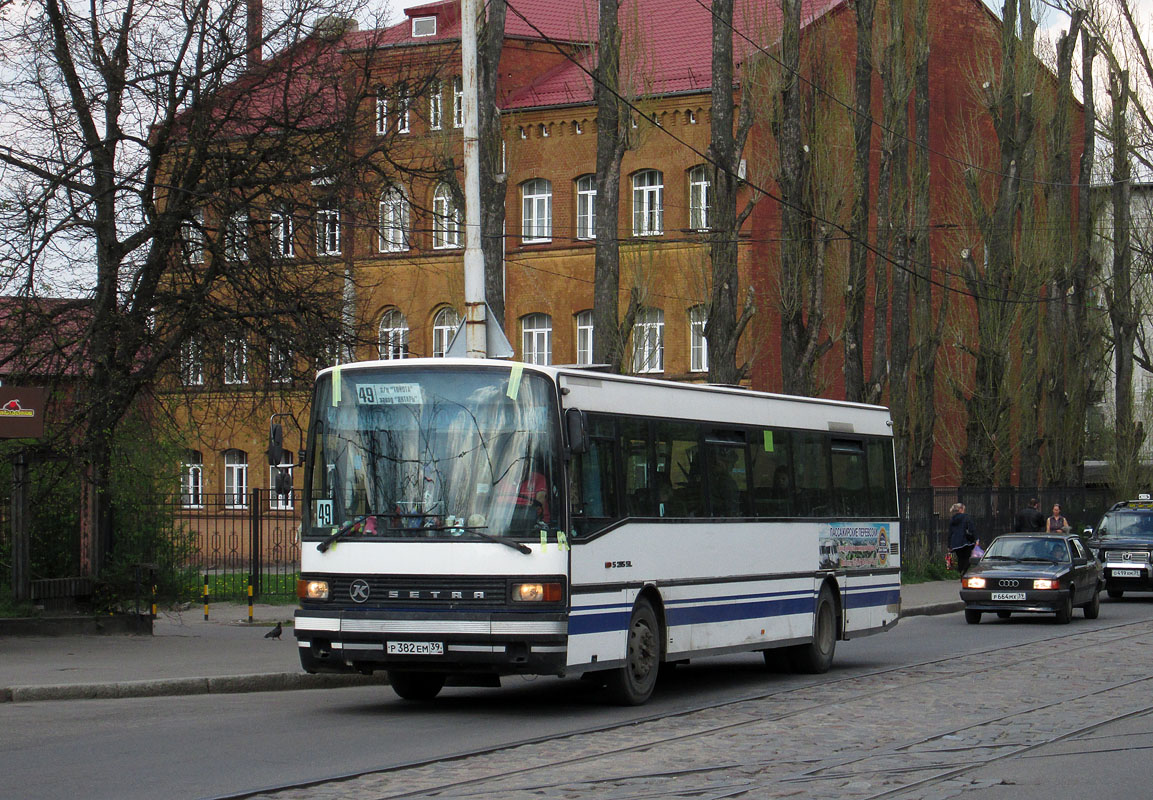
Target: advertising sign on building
21, 412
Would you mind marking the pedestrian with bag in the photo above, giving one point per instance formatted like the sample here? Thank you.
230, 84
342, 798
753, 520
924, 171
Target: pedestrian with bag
962, 537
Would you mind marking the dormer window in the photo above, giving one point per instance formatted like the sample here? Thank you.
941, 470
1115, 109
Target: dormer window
423, 26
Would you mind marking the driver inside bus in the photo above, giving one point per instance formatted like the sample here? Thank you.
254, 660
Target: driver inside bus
533, 491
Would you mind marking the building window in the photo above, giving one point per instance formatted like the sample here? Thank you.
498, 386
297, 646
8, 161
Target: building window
328, 229
402, 101
586, 188
446, 219
584, 330
381, 111
435, 121
279, 363
235, 360
649, 341
280, 488
536, 339
280, 234
394, 220
458, 102
393, 335
444, 327
698, 344
700, 198
192, 238
235, 479
192, 480
192, 363
236, 237
536, 221
648, 203
423, 26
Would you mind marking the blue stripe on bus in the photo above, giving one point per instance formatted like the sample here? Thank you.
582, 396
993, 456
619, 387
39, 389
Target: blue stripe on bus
615, 617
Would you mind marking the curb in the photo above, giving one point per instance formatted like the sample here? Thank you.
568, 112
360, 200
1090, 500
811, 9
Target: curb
934, 609
225, 684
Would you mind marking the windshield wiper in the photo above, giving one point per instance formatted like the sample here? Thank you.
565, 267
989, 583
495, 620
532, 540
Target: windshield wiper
343, 531
997, 558
524, 548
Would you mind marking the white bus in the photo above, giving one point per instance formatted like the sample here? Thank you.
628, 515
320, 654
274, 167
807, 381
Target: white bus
467, 519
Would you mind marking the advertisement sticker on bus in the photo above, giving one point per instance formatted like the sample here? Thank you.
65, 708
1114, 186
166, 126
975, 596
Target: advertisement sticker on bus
858, 545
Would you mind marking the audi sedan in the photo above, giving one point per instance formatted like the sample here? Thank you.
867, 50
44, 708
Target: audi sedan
1033, 574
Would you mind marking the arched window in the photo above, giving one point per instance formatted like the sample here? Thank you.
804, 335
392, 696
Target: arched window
700, 197
536, 219
192, 480
648, 203
584, 331
235, 479
586, 219
536, 339
649, 341
446, 219
392, 236
698, 344
444, 326
393, 335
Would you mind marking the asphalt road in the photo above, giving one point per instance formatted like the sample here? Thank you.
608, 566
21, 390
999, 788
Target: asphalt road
223, 745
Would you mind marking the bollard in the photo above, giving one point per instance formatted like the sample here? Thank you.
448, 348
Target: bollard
154, 592
206, 598
250, 599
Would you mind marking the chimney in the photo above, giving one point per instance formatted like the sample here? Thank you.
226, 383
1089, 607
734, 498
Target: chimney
255, 32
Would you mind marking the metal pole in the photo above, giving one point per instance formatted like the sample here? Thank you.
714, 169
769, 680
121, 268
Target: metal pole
474, 319
21, 535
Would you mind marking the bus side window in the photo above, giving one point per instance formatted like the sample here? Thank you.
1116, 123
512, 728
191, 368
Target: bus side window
771, 477
594, 474
728, 479
850, 481
679, 490
811, 475
638, 469
882, 482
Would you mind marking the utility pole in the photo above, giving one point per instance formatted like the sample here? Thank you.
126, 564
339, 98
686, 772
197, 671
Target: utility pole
474, 300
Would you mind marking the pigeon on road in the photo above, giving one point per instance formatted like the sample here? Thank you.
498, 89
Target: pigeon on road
275, 632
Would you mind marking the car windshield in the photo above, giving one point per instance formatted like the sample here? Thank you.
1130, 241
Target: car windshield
1009, 548
1126, 523
434, 452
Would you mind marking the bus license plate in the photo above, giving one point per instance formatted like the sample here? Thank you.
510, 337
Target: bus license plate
415, 648
1126, 573
1008, 595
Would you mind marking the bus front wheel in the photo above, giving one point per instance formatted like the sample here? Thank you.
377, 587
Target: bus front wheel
632, 684
416, 685
816, 657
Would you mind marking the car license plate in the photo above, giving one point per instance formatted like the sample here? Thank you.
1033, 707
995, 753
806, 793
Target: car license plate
1008, 595
415, 648
1126, 573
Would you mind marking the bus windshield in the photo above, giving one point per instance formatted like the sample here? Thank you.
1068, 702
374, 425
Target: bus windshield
399, 452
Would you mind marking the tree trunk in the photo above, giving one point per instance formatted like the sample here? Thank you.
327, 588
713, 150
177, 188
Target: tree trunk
859, 223
493, 183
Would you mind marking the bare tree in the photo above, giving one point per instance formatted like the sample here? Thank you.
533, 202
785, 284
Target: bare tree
726, 323
175, 176
493, 182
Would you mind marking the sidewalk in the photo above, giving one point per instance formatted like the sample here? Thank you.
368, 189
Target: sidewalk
188, 655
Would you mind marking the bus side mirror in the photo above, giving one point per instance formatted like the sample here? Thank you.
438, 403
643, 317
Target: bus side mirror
578, 438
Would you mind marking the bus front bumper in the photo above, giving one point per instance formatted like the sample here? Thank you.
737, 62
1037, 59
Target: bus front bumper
428, 641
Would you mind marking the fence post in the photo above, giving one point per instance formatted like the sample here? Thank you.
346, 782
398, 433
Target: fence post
21, 537
254, 555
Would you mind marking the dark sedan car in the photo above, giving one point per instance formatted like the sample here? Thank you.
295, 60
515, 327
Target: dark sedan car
1123, 540
1033, 574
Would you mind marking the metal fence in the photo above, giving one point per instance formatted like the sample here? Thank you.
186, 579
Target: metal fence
223, 541
925, 513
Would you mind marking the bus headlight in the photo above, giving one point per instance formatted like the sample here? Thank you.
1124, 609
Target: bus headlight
1045, 583
536, 592
312, 590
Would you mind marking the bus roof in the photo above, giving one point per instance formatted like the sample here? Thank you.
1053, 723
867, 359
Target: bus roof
651, 397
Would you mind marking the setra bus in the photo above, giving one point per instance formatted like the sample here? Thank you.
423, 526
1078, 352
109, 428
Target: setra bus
467, 519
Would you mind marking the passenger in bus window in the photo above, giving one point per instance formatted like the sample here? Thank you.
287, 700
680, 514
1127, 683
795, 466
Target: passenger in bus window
724, 491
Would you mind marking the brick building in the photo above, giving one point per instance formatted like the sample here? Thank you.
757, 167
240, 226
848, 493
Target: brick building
403, 242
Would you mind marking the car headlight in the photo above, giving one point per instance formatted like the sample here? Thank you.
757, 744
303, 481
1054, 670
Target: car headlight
973, 583
1046, 583
536, 592
312, 590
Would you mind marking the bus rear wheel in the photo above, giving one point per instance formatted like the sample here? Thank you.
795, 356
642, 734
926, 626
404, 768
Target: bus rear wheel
816, 657
632, 684
416, 685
